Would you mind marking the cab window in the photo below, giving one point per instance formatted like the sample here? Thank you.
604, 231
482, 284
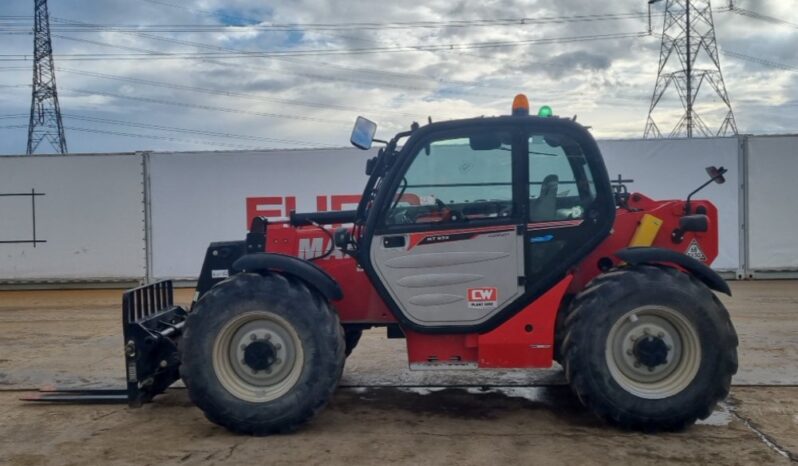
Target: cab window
560, 183
456, 180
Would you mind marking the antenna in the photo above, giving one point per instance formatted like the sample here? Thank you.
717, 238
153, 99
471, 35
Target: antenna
688, 40
45, 113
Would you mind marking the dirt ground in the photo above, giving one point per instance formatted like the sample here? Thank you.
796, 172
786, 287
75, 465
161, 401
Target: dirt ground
383, 413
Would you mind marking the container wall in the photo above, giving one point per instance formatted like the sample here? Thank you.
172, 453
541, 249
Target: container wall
88, 210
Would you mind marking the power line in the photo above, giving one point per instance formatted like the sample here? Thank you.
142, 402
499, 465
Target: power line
327, 77
218, 134
315, 65
762, 17
132, 124
306, 27
227, 93
151, 136
160, 137
209, 107
243, 95
333, 51
761, 61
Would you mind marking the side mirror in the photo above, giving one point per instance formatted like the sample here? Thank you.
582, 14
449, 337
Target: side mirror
363, 133
716, 174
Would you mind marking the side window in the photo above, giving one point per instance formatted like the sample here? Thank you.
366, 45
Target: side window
456, 180
560, 183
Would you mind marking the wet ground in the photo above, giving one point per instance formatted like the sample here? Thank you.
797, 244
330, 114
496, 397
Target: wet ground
383, 413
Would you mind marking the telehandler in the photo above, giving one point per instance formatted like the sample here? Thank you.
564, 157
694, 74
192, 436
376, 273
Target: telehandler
485, 243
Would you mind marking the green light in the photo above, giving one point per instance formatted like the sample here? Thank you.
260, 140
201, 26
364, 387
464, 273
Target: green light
545, 111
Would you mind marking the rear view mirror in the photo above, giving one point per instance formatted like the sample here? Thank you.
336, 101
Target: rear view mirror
363, 133
716, 174
488, 141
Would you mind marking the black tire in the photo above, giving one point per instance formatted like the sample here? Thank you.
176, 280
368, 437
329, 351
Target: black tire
593, 344
559, 327
306, 317
351, 338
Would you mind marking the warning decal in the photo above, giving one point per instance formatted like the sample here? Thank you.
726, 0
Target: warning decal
482, 298
694, 251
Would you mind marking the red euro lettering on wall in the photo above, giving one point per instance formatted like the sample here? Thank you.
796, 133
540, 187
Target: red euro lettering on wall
269, 207
274, 207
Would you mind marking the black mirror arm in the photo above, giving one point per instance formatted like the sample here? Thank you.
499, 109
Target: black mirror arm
720, 174
690, 196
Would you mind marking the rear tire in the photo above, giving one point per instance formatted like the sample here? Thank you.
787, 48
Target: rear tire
649, 348
261, 355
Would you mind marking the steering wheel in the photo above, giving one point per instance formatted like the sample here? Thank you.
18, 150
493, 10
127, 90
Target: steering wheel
450, 215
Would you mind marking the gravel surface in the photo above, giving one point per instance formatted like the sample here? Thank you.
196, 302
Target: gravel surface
383, 413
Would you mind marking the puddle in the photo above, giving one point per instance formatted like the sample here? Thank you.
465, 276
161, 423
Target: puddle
536, 394
721, 417
548, 396
422, 390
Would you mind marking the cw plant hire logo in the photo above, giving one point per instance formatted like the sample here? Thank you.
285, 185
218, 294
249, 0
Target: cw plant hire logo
481, 298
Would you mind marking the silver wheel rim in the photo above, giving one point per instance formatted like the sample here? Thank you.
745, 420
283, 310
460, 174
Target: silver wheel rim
661, 328
268, 332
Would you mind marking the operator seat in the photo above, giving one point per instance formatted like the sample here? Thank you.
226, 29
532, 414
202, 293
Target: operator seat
544, 207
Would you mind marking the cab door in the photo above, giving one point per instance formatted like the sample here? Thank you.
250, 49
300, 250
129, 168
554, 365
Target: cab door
567, 215
448, 244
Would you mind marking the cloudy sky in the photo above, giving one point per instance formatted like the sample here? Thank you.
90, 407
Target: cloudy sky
439, 58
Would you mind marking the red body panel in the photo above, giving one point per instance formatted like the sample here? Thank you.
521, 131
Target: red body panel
511, 344
626, 223
361, 303
526, 340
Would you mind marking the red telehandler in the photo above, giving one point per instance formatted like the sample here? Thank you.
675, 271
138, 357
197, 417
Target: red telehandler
485, 243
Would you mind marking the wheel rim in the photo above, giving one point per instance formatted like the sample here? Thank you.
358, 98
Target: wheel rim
653, 352
258, 356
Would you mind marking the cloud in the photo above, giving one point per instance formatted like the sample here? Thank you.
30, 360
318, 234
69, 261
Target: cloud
569, 63
608, 83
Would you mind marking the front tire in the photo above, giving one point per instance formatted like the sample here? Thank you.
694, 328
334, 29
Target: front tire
649, 348
261, 355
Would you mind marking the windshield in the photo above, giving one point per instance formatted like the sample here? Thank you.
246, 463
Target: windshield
457, 179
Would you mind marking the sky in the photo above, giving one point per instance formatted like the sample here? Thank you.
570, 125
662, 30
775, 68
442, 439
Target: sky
127, 101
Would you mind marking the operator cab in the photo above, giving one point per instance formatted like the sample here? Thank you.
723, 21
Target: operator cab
500, 207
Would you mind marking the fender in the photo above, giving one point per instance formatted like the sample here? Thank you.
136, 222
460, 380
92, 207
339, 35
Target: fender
309, 272
646, 255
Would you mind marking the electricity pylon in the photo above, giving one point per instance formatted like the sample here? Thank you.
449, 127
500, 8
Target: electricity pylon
45, 113
688, 63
